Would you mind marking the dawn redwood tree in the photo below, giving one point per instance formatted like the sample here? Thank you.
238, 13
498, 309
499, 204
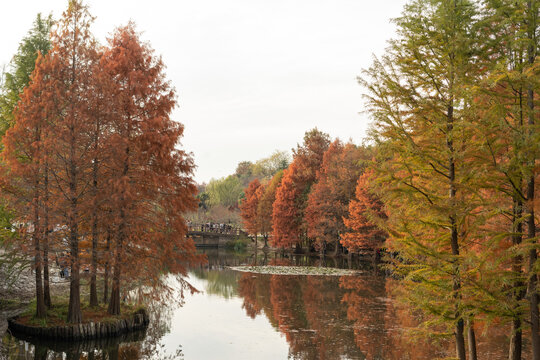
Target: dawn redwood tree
69, 69
329, 198
150, 182
265, 206
286, 217
249, 206
419, 97
101, 117
507, 142
365, 210
15, 81
23, 155
290, 227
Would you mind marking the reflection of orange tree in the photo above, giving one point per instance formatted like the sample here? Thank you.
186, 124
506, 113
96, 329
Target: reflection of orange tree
379, 326
290, 313
255, 290
325, 314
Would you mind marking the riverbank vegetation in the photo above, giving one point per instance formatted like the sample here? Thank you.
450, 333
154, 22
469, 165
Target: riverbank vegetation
448, 180
90, 167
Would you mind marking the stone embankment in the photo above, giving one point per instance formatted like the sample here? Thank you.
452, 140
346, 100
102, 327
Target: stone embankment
85, 331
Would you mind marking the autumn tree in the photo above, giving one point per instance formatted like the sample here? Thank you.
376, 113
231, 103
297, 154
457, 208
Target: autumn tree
69, 70
265, 206
249, 206
150, 182
365, 210
23, 177
419, 95
290, 227
330, 195
15, 80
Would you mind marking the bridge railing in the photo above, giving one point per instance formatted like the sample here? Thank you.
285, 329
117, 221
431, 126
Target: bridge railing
215, 228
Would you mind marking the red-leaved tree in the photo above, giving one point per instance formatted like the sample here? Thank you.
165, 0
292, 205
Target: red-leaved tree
328, 201
150, 182
249, 206
364, 209
289, 226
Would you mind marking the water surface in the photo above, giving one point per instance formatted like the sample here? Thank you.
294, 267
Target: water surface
259, 316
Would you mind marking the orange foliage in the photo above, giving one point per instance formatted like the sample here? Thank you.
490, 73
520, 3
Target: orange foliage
266, 202
363, 233
289, 227
249, 206
328, 201
150, 179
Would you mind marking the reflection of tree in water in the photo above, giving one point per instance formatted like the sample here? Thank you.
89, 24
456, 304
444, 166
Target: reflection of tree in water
306, 310
379, 326
223, 283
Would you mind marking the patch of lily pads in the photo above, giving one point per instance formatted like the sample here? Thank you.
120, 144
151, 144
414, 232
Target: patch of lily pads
295, 270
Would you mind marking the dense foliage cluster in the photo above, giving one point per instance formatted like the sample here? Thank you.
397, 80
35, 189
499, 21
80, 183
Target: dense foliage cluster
91, 166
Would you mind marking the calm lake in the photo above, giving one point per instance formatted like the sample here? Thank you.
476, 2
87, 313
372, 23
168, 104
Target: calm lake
240, 315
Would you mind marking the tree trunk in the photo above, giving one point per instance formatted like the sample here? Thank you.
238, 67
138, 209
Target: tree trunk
516, 335
107, 266
46, 232
471, 341
454, 239
532, 12
74, 307
41, 310
114, 303
93, 266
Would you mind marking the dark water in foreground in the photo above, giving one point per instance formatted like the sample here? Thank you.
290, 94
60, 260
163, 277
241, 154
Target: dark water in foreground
254, 316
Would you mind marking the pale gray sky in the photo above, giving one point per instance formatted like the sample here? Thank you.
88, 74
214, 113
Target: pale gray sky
251, 75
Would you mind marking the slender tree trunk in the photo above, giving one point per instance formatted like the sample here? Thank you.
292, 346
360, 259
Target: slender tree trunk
41, 310
531, 233
471, 340
93, 267
107, 266
516, 336
454, 240
74, 307
46, 232
46, 286
114, 303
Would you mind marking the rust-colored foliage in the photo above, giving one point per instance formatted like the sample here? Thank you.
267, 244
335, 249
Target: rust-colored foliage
286, 217
150, 180
289, 227
93, 159
328, 201
249, 206
363, 234
265, 206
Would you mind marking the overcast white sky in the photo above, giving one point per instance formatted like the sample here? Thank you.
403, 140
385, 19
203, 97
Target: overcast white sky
251, 75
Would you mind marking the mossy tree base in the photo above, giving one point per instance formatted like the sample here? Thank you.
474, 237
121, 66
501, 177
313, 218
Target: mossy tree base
89, 330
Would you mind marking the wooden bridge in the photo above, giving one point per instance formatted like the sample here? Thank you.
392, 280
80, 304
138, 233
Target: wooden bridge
214, 235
